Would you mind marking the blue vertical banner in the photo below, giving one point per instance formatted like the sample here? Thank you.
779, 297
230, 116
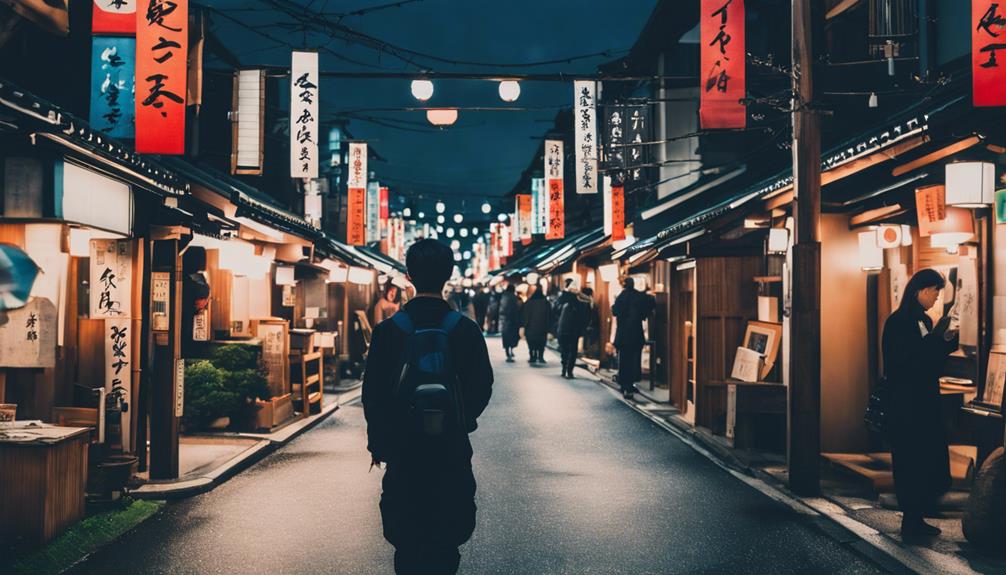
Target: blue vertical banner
113, 85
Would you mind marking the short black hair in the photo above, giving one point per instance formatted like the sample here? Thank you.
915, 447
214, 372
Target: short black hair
628, 283
430, 264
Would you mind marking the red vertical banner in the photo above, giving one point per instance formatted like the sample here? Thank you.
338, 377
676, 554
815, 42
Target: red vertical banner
384, 211
617, 213
988, 74
722, 65
356, 217
494, 252
556, 212
114, 17
162, 47
524, 217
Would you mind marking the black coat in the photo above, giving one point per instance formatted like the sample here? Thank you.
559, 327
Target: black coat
537, 316
424, 502
509, 319
914, 357
631, 307
571, 315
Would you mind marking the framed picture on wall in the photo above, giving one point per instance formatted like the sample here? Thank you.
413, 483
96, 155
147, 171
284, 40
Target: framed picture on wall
764, 338
995, 381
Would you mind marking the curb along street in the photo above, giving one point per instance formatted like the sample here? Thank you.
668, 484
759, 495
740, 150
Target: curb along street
828, 516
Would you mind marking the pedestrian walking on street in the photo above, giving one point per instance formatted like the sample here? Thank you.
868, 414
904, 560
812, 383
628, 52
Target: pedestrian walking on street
571, 313
537, 317
631, 308
480, 302
428, 379
914, 355
388, 304
493, 311
509, 320
591, 324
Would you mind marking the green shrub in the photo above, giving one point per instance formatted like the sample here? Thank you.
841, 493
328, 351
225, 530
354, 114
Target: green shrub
224, 385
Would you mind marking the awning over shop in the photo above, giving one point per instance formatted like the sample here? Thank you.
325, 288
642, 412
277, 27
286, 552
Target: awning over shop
903, 132
251, 202
363, 257
571, 251
46, 121
553, 256
385, 264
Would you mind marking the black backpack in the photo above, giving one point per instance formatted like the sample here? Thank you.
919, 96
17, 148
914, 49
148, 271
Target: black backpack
428, 393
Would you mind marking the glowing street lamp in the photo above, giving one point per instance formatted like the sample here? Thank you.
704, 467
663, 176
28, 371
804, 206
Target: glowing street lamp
422, 90
509, 90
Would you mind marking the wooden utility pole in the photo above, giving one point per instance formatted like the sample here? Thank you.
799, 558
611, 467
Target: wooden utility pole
166, 351
805, 319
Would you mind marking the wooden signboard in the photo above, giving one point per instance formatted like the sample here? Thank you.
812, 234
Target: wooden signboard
275, 339
28, 335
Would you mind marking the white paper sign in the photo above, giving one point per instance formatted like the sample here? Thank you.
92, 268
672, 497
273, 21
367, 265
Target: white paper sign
248, 157
118, 364
179, 387
304, 81
585, 132
357, 165
373, 212
606, 200
539, 205
111, 278
116, 7
28, 335
160, 300
967, 300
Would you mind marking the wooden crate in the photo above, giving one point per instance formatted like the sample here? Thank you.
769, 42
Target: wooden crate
273, 412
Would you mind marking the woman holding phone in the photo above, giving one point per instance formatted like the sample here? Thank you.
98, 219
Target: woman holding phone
915, 352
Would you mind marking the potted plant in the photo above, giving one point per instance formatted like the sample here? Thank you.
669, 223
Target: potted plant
221, 389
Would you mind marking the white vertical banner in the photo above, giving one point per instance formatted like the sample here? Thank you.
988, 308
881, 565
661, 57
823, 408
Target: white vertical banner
304, 81
357, 165
111, 278
607, 206
585, 124
248, 152
373, 212
539, 206
118, 360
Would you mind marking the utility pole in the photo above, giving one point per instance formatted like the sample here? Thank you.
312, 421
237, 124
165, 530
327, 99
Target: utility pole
805, 320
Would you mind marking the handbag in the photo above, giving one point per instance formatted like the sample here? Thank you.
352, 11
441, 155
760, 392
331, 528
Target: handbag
875, 417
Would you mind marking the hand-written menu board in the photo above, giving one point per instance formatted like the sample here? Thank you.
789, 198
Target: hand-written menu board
160, 300
110, 277
118, 361
967, 300
28, 335
274, 355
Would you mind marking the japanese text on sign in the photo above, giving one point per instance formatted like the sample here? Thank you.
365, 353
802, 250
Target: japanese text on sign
988, 22
585, 133
304, 115
161, 67
110, 278
722, 65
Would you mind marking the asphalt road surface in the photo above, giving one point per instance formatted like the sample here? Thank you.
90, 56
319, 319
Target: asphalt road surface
570, 480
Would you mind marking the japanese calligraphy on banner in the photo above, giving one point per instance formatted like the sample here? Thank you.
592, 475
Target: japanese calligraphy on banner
988, 76
373, 212
614, 131
118, 358
722, 67
304, 115
28, 335
162, 47
494, 254
111, 278
585, 143
384, 212
637, 120
506, 240
113, 83
114, 17
553, 182
356, 219
617, 213
931, 207
524, 219
539, 206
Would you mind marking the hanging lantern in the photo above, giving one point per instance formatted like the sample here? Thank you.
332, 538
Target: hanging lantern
970, 184
953, 230
422, 90
440, 207
778, 240
455, 245
889, 236
463, 232
421, 215
441, 219
458, 218
486, 208
450, 232
407, 212
501, 218
509, 90
871, 256
442, 116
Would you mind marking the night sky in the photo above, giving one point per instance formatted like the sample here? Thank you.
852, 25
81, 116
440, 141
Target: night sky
483, 154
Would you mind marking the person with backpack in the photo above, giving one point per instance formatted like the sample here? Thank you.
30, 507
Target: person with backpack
569, 309
428, 379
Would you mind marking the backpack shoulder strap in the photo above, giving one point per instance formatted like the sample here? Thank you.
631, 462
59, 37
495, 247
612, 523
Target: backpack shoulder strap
404, 322
450, 321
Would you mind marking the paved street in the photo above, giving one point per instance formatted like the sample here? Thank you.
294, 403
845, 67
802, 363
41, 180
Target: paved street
570, 481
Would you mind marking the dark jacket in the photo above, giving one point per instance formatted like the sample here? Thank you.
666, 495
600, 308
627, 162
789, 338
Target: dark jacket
424, 502
631, 307
913, 363
537, 317
509, 319
571, 315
